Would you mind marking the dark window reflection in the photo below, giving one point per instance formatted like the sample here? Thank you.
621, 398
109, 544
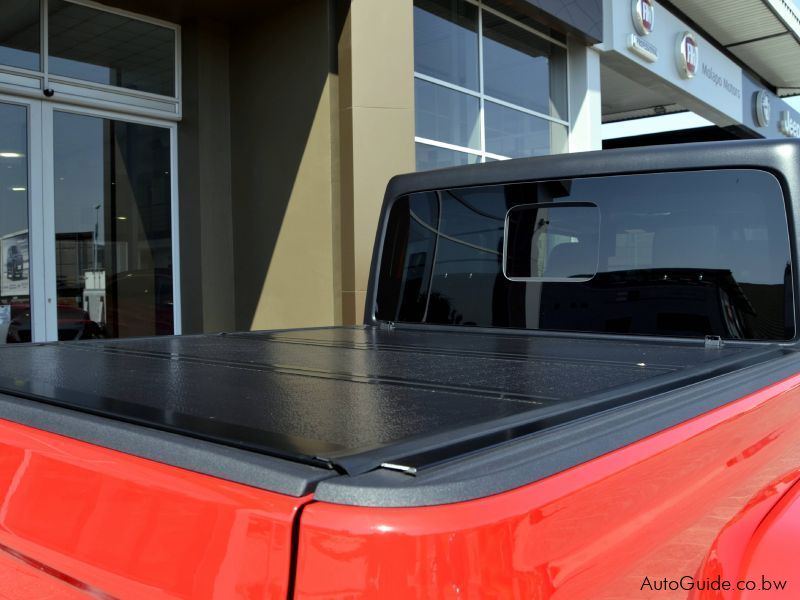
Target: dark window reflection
97, 46
552, 241
523, 68
19, 34
446, 41
517, 134
113, 227
683, 254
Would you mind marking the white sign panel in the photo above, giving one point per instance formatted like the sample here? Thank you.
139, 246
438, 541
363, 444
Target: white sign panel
788, 126
642, 47
14, 259
694, 73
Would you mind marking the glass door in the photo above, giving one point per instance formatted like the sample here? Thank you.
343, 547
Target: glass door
19, 207
111, 237
88, 236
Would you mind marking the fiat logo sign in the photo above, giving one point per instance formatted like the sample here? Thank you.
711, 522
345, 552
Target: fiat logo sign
643, 16
687, 55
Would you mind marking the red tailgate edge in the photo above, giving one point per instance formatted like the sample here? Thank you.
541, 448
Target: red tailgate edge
78, 517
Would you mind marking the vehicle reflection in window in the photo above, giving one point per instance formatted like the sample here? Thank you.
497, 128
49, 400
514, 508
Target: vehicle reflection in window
73, 324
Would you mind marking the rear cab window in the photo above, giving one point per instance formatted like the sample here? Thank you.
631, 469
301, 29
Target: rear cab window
684, 254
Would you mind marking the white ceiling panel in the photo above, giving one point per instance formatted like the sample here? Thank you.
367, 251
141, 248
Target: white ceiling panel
775, 59
623, 98
763, 34
732, 21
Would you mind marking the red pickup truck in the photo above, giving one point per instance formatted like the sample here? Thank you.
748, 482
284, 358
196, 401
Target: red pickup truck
577, 378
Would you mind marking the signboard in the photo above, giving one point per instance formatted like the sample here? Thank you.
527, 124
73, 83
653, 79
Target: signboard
644, 16
687, 55
766, 114
788, 125
15, 262
763, 108
684, 66
642, 47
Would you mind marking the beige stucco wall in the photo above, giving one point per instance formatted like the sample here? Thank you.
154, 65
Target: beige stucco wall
282, 137
294, 123
317, 132
376, 98
298, 287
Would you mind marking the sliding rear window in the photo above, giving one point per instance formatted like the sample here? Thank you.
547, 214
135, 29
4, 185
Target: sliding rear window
678, 254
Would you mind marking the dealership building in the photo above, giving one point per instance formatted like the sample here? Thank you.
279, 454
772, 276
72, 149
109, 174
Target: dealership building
196, 166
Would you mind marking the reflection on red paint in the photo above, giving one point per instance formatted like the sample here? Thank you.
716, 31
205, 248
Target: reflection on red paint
653, 508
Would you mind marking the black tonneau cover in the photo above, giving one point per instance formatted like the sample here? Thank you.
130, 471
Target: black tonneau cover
353, 399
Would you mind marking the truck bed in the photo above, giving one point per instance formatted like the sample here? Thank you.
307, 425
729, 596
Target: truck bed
352, 399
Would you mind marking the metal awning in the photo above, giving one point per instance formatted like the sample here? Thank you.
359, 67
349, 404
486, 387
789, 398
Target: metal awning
763, 34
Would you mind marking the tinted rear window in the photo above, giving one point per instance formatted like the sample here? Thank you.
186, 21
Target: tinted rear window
677, 254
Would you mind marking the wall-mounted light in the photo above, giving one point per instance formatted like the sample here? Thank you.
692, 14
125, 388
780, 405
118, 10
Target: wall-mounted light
19, 189
122, 218
11, 155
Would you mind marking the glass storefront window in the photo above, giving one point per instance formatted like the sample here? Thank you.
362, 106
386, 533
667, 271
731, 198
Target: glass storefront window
516, 106
525, 15
87, 47
19, 34
516, 134
523, 68
445, 115
102, 47
446, 41
95, 257
434, 157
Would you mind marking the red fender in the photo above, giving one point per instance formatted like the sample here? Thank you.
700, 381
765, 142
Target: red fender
772, 555
757, 550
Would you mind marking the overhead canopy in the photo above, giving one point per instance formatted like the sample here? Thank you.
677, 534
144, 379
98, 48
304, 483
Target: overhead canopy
762, 34
623, 98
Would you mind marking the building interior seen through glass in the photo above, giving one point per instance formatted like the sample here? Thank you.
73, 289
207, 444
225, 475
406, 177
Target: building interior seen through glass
487, 85
112, 235
19, 34
106, 48
89, 45
15, 309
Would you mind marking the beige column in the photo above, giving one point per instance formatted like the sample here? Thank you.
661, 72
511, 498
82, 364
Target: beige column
376, 99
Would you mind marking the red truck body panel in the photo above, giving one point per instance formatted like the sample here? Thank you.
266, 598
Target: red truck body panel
78, 518
651, 509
